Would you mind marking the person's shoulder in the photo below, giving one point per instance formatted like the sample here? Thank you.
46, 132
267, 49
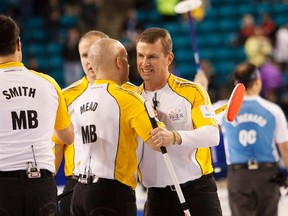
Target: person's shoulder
128, 93
176, 82
76, 86
269, 104
46, 77
130, 86
74, 90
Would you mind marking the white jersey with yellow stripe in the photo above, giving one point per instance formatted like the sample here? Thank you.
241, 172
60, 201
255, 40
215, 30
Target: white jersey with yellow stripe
183, 106
31, 106
110, 119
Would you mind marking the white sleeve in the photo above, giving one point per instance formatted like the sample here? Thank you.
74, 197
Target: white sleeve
281, 130
202, 137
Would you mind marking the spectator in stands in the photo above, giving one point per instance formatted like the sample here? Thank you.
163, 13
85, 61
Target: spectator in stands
281, 48
51, 10
111, 14
209, 72
53, 26
26, 7
88, 15
269, 27
257, 47
272, 81
246, 30
72, 67
33, 63
131, 29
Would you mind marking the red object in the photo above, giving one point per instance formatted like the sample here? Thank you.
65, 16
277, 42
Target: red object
235, 102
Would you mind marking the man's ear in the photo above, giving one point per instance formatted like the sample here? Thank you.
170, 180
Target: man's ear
170, 58
118, 62
18, 44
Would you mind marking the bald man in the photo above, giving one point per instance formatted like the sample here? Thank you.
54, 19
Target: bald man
109, 119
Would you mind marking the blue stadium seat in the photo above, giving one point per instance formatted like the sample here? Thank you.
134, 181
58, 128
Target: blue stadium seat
201, 41
58, 76
141, 15
224, 68
239, 54
224, 54
212, 40
54, 48
43, 64
245, 8
265, 8
56, 62
34, 22
207, 25
212, 13
185, 27
208, 54
153, 15
181, 41
281, 19
228, 25
184, 55
187, 70
280, 8
69, 21
4, 6
172, 28
36, 35
227, 11
36, 49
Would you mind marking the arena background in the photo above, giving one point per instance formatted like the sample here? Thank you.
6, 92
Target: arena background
45, 26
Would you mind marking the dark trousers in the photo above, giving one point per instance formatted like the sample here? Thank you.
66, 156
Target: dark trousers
20, 196
251, 192
200, 196
64, 204
78, 201
105, 197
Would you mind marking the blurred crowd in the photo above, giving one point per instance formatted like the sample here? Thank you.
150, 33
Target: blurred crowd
264, 42
266, 45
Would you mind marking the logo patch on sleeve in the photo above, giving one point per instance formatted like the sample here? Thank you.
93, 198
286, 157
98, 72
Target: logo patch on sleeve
207, 111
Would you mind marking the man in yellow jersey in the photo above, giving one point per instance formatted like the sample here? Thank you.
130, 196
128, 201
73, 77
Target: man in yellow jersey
72, 152
109, 119
185, 108
32, 107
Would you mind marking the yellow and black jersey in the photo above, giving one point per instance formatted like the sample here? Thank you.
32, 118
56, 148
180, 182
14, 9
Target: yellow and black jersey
109, 119
31, 107
72, 153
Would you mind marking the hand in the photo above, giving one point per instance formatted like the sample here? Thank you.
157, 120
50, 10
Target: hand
162, 137
280, 178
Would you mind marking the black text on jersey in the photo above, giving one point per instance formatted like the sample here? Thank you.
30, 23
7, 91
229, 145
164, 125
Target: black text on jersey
89, 134
19, 91
24, 119
89, 106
